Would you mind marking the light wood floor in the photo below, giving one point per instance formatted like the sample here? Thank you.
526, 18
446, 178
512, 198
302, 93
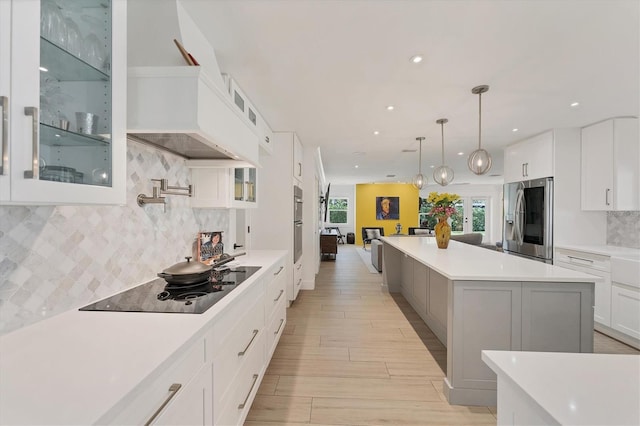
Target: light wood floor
352, 355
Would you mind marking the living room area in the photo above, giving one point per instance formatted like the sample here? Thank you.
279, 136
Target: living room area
354, 207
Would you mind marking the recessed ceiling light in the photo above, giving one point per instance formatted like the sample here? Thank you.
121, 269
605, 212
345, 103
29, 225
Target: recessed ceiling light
432, 166
43, 69
376, 132
514, 130
461, 153
356, 166
416, 59
390, 108
575, 104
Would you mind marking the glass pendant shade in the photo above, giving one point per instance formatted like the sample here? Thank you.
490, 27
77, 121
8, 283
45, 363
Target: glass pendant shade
479, 161
443, 175
419, 180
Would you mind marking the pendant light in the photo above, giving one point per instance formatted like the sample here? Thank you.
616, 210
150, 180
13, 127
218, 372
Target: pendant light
443, 175
479, 161
419, 180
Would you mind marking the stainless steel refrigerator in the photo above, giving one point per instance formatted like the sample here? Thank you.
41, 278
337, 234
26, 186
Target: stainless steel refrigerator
528, 219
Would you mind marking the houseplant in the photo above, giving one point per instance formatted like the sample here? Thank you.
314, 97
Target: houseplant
442, 208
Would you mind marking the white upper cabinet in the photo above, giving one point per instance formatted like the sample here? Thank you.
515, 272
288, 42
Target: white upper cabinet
250, 114
610, 165
217, 184
63, 77
529, 159
5, 91
298, 156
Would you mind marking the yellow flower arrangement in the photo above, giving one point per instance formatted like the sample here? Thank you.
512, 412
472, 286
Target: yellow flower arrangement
443, 204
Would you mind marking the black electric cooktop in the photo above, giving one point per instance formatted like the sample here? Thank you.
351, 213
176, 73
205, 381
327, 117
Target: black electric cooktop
159, 296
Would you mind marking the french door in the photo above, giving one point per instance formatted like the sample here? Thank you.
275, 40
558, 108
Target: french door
472, 215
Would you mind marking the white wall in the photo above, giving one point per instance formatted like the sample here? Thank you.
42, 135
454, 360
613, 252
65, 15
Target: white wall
349, 192
311, 236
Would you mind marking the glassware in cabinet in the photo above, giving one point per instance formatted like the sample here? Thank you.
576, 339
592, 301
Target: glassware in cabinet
75, 93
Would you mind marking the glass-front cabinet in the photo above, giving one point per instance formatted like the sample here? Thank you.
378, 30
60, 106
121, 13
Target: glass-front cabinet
245, 185
67, 99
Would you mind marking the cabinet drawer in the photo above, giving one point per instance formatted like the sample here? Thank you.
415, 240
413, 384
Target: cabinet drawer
276, 327
228, 319
584, 259
143, 406
238, 399
626, 271
276, 290
625, 310
235, 349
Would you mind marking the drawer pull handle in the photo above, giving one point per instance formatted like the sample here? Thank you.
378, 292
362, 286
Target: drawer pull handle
4, 162
299, 266
173, 389
279, 270
279, 296
299, 281
579, 259
255, 379
280, 326
255, 333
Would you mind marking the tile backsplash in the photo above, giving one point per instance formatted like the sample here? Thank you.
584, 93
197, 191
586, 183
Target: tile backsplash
56, 258
623, 229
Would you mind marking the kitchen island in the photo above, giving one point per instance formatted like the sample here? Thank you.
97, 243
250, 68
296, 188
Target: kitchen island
92, 367
475, 299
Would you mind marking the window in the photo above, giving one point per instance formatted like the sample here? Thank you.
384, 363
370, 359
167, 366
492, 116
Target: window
338, 208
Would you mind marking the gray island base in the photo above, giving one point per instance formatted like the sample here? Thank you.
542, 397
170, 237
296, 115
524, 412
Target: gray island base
475, 299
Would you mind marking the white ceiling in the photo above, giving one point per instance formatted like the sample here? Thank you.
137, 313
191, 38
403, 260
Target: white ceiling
328, 68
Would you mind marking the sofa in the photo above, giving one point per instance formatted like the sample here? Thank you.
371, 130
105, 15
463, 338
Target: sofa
475, 238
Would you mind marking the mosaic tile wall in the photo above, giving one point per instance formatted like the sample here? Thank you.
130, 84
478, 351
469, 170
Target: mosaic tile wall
623, 229
53, 259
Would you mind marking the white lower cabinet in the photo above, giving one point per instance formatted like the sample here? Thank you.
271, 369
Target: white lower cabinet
625, 298
170, 394
625, 303
192, 404
236, 403
617, 294
594, 264
215, 379
297, 279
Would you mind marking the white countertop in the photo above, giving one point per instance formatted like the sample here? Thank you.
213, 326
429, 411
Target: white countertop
468, 262
613, 251
575, 389
74, 367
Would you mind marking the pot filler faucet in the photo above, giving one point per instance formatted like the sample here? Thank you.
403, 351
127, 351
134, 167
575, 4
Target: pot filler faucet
163, 189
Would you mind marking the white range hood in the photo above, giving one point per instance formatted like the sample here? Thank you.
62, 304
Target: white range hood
183, 109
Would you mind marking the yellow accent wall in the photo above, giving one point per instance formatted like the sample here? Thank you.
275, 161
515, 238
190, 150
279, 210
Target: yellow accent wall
366, 207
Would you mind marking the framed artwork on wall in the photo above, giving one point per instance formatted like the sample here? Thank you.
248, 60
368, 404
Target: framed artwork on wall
387, 208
